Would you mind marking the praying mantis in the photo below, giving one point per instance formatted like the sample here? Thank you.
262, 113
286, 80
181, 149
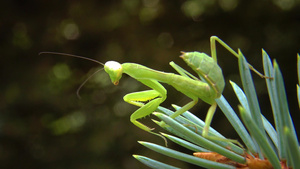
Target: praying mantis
208, 87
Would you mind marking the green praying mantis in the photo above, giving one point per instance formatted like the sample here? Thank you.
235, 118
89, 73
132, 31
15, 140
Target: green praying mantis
208, 87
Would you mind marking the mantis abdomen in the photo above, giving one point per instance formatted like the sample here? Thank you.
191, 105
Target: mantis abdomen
207, 68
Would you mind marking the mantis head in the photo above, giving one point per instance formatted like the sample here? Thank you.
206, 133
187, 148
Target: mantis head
114, 70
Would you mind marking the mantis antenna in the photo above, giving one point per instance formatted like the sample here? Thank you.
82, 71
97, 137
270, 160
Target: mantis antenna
81, 57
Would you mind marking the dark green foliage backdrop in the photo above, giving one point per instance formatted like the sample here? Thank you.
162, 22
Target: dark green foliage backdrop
43, 124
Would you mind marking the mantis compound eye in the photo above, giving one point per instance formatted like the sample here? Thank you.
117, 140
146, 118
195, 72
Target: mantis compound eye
114, 70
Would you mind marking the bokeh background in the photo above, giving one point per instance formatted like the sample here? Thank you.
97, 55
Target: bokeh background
43, 124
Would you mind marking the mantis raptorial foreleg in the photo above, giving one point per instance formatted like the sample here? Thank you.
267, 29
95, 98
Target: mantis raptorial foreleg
156, 97
208, 88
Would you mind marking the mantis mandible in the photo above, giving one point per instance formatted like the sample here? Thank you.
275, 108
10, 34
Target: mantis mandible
208, 88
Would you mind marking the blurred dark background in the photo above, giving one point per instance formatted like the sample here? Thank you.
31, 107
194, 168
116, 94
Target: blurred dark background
43, 124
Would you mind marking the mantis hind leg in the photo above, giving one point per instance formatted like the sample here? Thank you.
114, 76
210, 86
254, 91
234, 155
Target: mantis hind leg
214, 39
